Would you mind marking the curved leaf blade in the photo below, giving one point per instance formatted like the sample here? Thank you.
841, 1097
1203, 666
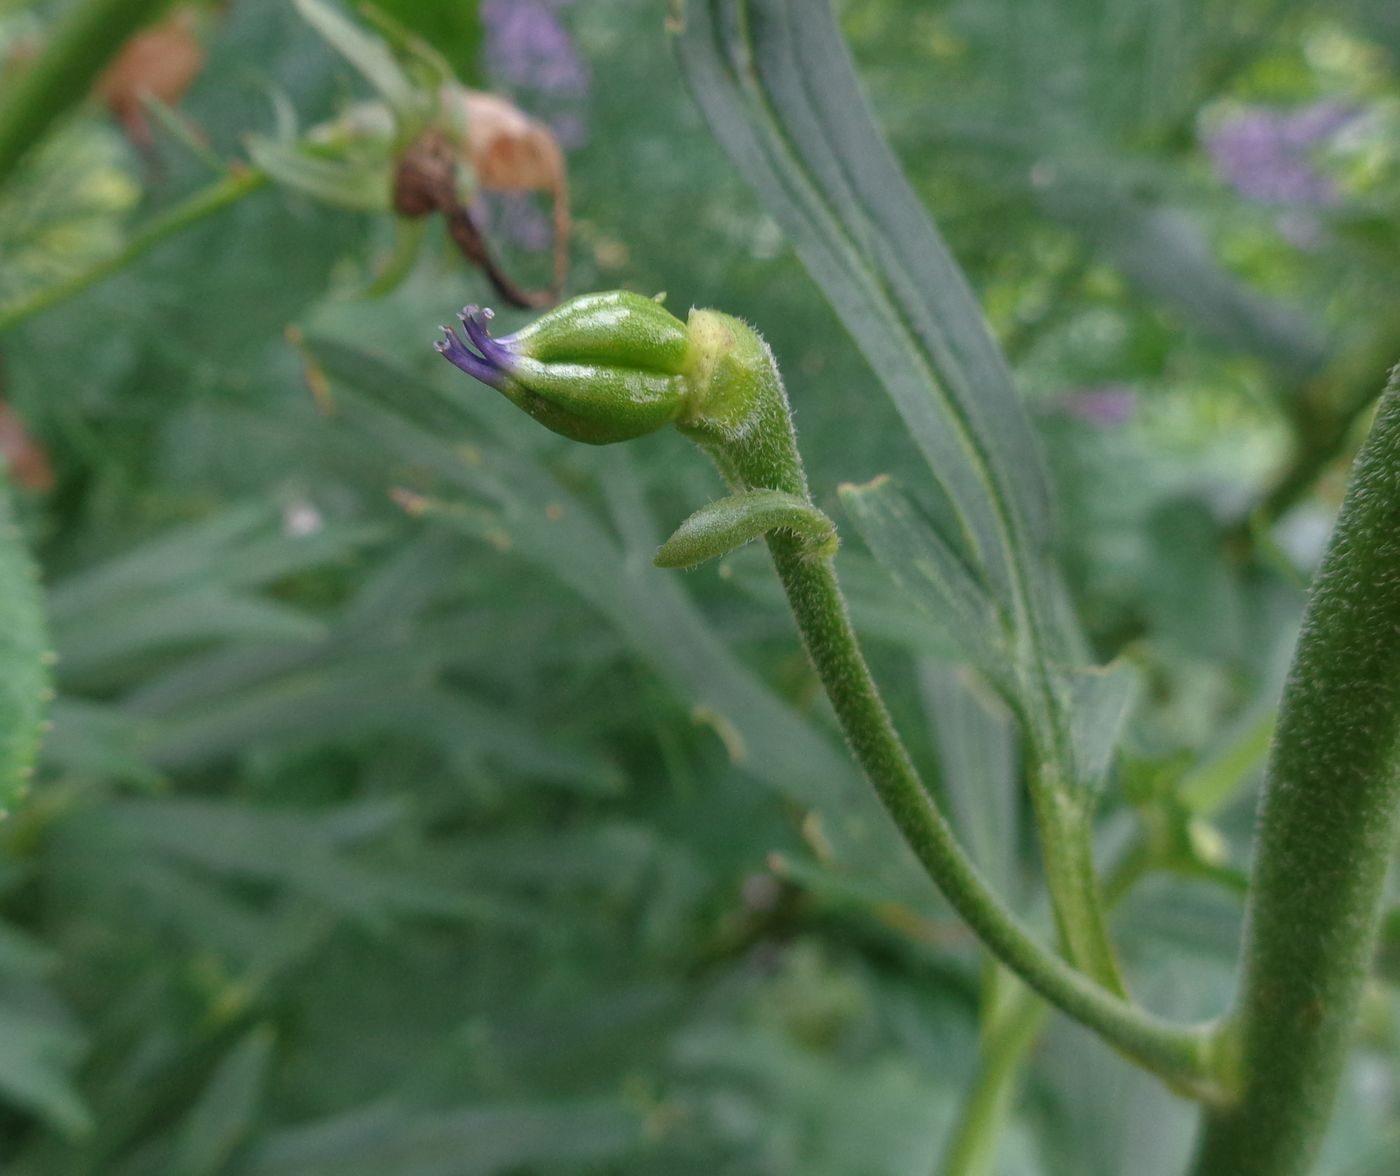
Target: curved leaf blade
720, 526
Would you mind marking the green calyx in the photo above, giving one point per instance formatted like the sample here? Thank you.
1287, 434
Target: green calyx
610, 367
618, 329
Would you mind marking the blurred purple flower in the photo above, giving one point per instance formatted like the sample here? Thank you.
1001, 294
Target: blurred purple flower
514, 216
528, 47
1106, 406
1263, 152
528, 50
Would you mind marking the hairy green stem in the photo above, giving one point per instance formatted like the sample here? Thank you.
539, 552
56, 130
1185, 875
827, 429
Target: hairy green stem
1179, 1054
209, 200
614, 366
64, 72
1328, 825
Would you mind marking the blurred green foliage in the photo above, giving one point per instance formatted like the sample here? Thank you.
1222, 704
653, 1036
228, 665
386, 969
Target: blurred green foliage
399, 817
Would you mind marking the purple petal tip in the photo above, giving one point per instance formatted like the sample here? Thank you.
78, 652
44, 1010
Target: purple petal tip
490, 362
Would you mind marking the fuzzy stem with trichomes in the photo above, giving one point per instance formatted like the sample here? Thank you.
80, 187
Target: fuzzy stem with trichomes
814, 151
611, 367
1328, 824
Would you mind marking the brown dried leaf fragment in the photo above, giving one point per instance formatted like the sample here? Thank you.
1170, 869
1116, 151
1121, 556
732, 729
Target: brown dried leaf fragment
161, 63
509, 152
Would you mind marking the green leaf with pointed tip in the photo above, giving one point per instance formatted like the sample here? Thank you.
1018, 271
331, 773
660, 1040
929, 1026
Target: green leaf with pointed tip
366, 53
464, 1141
1099, 703
934, 575
731, 522
221, 1119
822, 168
39, 1049
24, 675
360, 185
977, 765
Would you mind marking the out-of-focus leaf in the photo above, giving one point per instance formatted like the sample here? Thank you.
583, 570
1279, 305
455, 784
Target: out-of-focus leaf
367, 53
221, 1119
241, 546
360, 183
39, 1048
1166, 255
97, 739
799, 1110
24, 673
471, 1141
1218, 776
19, 954
118, 634
452, 26
303, 851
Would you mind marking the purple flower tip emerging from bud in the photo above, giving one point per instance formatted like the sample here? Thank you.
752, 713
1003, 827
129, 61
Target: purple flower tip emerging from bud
491, 362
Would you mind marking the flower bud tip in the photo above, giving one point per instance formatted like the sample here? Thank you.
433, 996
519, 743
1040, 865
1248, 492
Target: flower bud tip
490, 362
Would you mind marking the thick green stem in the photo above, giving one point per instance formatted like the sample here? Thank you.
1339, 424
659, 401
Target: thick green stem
1180, 1054
214, 198
64, 72
1328, 825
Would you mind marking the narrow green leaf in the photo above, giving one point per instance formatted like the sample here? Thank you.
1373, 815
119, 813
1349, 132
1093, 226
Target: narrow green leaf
39, 1049
816, 157
977, 758
466, 1141
359, 184
24, 671
366, 53
934, 576
221, 1119
731, 522
1099, 703
1213, 781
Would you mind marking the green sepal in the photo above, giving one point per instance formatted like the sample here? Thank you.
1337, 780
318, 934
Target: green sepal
594, 404
617, 329
731, 522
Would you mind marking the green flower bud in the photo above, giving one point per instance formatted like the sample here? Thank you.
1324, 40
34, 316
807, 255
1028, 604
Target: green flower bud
600, 368
610, 367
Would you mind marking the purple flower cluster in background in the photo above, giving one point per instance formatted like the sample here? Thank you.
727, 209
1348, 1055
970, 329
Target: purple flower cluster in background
1264, 152
1106, 406
528, 48
529, 52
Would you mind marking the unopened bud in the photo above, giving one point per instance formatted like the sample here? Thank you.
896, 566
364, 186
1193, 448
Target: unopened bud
610, 367
599, 368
